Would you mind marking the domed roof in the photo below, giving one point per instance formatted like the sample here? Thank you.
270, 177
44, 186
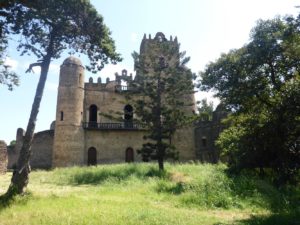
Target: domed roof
72, 60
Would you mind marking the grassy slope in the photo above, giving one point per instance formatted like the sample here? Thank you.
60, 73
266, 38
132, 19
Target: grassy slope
139, 194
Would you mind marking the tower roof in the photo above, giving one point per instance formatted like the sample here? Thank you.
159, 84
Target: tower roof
72, 60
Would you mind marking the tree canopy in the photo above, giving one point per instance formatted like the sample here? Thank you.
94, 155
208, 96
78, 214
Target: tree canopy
260, 84
47, 28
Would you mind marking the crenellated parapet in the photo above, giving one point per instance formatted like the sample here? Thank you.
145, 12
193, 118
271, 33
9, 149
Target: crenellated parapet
119, 84
124, 76
147, 43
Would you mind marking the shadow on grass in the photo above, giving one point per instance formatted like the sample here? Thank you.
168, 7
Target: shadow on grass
263, 193
291, 218
94, 176
8, 199
219, 189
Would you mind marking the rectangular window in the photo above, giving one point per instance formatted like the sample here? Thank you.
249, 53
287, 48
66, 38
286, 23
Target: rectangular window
204, 142
61, 115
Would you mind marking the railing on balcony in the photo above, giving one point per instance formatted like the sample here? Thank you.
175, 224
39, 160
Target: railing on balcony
113, 126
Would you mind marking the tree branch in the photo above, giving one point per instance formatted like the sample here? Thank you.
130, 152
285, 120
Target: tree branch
33, 65
273, 79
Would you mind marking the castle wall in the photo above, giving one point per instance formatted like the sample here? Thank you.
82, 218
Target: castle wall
107, 101
111, 145
42, 147
206, 134
184, 142
13, 154
3, 157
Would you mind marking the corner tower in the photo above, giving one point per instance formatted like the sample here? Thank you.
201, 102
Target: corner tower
68, 149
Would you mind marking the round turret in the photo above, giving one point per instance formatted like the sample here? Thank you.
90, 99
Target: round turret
71, 72
68, 137
71, 60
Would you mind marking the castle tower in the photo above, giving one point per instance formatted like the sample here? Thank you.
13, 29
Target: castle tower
68, 149
160, 52
152, 49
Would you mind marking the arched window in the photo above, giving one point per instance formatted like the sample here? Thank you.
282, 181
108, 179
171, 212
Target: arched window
92, 156
128, 116
93, 116
129, 155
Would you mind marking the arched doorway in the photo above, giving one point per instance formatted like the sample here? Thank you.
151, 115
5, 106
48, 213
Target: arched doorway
129, 155
93, 116
128, 116
92, 156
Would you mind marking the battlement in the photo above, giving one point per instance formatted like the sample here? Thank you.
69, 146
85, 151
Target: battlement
148, 43
108, 85
160, 37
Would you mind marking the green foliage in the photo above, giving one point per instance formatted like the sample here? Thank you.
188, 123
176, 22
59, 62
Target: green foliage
13, 143
260, 84
7, 77
50, 27
205, 110
164, 88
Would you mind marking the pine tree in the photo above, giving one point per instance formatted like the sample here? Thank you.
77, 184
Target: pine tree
164, 96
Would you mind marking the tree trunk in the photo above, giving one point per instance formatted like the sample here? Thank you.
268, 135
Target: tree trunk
20, 176
160, 150
161, 163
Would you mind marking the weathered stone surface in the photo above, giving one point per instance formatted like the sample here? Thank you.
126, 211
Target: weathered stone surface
42, 148
206, 133
3, 157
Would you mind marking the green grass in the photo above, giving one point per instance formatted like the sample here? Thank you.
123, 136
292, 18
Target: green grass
140, 194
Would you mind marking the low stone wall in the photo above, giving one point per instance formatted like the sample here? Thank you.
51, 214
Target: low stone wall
41, 148
3, 157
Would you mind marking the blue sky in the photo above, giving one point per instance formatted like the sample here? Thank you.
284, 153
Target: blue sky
205, 29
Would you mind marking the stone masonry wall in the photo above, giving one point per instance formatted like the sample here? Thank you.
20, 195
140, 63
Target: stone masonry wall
42, 146
3, 157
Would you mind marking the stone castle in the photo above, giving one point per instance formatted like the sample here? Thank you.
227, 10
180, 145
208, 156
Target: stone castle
81, 135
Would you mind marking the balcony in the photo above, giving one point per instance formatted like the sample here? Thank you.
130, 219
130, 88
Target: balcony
113, 126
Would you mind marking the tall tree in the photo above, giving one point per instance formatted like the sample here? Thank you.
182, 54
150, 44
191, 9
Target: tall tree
165, 97
47, 29
259, 82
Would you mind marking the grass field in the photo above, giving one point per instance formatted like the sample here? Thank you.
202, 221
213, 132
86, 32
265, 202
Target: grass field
140, 194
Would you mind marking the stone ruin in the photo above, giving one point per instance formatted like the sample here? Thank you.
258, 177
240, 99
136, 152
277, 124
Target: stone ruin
3, 157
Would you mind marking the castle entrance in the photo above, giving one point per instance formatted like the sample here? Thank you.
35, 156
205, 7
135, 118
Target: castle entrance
129, 155
92, 156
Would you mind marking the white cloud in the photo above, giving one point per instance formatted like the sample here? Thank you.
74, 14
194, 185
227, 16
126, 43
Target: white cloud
13, 64
134, 37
